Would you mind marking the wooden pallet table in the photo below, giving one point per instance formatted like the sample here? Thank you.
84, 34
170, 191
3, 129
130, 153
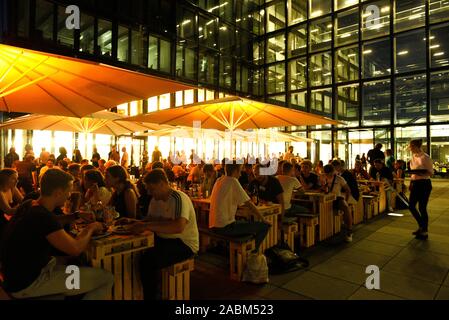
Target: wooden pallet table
120, 255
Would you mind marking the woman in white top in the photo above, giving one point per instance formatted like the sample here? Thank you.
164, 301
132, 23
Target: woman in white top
96, 188
420, 187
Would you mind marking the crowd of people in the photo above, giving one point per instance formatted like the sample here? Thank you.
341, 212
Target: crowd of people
35, 216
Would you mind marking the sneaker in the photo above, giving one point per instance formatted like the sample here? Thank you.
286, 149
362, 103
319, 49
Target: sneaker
390, 210
348, 238
422, 236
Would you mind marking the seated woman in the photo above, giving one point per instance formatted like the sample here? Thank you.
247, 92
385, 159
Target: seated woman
10, 196
96, 188
125, 195
358, 172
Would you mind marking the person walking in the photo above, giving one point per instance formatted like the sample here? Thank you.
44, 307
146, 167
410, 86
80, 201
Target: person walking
421, 167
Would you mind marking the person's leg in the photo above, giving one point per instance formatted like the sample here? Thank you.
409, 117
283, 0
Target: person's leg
241, 228
426, 188
94, 283
347, 217
388, 195
413, 200
165, 253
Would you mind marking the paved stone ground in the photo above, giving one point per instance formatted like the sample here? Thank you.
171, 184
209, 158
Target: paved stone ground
410, 268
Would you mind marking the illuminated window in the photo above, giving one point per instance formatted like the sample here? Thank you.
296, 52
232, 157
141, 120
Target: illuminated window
438, 10
376, 19
152, 104
42, 139
135, 108
66, 140
105, 37
122, 46
409, 14
210, 95
179, 98
103, 144
276, 16
164, 101
122, 109
188, 96
319, 7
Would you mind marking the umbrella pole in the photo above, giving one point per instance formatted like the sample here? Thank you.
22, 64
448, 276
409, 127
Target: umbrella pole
132, 149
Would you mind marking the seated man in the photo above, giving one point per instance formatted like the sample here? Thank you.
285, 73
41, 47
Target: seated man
289, 183
227, 195
246, 176
359, 172
381, 173
33, 232
172, 218
267, 188
333, 183
308, 179
339, 166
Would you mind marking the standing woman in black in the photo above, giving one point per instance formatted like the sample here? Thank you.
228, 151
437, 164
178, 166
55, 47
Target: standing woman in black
420, 187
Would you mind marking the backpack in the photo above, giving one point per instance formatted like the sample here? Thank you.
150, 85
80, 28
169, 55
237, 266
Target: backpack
281, 259
256, 270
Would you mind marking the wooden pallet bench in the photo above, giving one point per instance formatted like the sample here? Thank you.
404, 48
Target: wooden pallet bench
176, 280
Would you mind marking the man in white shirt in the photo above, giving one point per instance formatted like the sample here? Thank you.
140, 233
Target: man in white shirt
420, 187
290, 183
227, 195
336, 184
172, 218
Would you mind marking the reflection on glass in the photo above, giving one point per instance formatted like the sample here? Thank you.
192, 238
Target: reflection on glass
376, 99
153, 52
409, 14
275, 16
411, 93
276, 78
44, 20
320, 33
87, 34
242, 78
320, 69
104, 37
65, 36
348, 104
376, 57
207, 64
207, 32
319, 7
23, 18
225, 72
439, 93
438, 10
258, 81
185, 24
321, 101
410, 51
376, 19
321, 148
297, 71
347, 64
439, 46
258, 52
297, 40
122, 45
297, 11
341, 4
298, 100
137, 47
227, 39
347, 29
185, 60
276, 48
279, 100
165, 57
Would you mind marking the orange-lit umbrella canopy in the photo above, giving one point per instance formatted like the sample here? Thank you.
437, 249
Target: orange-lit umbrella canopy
36, 82
233, 113
103, 122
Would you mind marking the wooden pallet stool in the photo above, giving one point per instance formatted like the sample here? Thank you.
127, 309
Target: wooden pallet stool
176, 280
307, 226
290, 229
338, 220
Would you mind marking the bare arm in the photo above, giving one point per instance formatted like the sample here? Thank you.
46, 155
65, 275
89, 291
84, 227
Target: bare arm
17, 196
255, 211
5, 207
62, 241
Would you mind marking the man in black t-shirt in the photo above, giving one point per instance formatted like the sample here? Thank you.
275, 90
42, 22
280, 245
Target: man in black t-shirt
375, 154
308, 179
267, 188
349, 178
31, 235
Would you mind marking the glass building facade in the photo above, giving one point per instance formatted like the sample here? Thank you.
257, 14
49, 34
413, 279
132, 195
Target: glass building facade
380, 66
